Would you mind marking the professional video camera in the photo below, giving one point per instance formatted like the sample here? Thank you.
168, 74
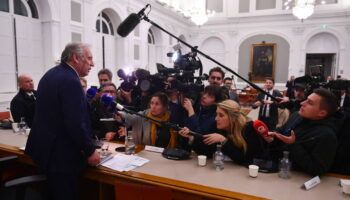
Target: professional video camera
317, 80
183, 72
141, 80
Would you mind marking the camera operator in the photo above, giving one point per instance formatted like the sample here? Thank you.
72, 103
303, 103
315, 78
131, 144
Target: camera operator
105, 129
294, 105
104, 76
312, 141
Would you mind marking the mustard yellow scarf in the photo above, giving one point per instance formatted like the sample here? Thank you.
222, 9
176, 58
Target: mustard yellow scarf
165, 117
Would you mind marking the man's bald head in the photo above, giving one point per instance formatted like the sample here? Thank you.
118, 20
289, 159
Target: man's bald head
26, 83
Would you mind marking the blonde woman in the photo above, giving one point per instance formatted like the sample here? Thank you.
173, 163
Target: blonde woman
237, 135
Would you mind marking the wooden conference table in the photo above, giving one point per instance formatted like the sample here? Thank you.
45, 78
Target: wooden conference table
190, 181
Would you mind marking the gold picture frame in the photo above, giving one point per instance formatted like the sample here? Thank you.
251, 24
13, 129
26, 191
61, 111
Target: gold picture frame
262, 61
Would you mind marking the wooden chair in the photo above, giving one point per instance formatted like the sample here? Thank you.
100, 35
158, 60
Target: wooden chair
131, 191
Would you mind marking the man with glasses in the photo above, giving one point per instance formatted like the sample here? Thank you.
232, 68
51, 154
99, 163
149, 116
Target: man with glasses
101, 115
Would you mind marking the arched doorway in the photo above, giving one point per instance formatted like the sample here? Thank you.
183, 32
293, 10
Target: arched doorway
321, 54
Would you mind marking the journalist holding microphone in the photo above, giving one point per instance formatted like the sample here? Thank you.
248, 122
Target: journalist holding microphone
149, 132
237, 135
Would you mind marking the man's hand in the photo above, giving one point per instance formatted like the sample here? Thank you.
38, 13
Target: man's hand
286, 139
213, 138
188, 106
94, 159
283, 99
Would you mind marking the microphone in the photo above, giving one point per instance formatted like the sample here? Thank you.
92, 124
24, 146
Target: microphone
91, 93
260, 127
172, 125
131, 22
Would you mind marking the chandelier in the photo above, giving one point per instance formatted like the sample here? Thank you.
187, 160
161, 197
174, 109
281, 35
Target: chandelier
302, 9
194, 10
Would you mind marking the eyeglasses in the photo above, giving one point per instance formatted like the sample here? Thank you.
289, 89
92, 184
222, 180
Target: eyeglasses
108, 91
215, 77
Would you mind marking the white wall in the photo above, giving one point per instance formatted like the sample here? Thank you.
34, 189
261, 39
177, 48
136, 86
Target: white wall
221, 37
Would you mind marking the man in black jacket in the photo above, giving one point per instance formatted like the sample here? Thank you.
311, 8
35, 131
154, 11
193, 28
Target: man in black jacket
23, 104
312, 142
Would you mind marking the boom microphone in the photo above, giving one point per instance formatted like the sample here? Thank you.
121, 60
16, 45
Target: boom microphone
131, 22
260, 127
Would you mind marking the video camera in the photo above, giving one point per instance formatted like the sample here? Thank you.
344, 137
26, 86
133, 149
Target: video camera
317, 80
183, 72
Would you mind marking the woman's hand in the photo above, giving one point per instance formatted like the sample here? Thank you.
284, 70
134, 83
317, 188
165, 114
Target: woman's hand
286, 139
213, 138
185, 133
110, 135
121, 131
187, 104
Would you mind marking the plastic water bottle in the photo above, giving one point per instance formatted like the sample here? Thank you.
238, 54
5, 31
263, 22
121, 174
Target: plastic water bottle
129, 145
218, 158
22, 126
285, 166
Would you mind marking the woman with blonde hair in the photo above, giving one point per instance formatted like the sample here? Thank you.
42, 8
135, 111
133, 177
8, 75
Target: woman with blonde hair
238, 138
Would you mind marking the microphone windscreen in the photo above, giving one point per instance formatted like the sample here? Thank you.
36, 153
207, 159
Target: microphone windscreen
128, 24
91, 93
107, 99
260, 127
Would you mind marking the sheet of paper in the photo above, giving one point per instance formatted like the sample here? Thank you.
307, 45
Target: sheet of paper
122, 162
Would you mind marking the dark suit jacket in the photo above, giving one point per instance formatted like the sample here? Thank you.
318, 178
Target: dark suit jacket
273, 117
346, 104
60, 140
22, 105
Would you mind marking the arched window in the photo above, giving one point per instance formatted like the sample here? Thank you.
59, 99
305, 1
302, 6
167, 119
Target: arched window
25, 8
150, 37
105, 24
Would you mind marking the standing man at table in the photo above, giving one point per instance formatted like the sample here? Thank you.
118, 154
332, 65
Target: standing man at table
60, 142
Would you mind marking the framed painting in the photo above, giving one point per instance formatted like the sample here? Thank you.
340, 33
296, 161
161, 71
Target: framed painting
262, 61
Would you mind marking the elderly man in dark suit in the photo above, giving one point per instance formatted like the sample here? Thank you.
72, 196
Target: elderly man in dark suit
23, 104
60, 142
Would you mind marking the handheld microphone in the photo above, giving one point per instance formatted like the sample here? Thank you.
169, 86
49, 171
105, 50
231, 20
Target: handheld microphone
91, 93
131, 22
260, 127
107, 99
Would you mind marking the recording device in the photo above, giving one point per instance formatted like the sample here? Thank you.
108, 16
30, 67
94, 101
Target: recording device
316, 79
131, 22
260, 127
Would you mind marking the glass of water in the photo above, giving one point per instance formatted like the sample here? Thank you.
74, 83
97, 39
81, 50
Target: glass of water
129, 145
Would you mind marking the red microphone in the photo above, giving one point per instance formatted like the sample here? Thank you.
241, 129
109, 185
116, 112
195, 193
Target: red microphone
260, 127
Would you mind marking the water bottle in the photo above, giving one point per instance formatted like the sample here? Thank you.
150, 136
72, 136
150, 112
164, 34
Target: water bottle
218, 158
129, 145
285, 166
22, 126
